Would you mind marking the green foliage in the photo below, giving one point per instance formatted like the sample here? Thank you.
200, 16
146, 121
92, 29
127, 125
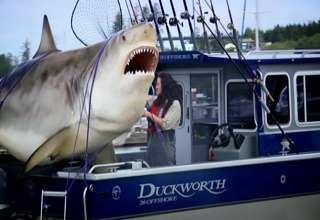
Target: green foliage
25, 54
118, 23
292, 32
302, 43
5, 64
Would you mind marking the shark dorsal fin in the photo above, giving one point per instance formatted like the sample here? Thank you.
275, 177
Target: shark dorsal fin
47, 43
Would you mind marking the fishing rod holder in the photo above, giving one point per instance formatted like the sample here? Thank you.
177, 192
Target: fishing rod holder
186, 15
150, 18
161, 20
200, 19
173, 21
213, 19
230, 26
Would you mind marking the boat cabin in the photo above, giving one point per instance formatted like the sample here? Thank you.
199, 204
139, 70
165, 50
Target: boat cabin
215, 93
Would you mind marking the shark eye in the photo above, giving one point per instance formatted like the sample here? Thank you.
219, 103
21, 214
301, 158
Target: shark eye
123, 37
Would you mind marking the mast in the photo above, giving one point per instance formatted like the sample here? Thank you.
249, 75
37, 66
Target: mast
243, 19
257, 26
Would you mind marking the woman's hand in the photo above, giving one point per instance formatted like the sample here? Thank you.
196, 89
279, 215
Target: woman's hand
146, 113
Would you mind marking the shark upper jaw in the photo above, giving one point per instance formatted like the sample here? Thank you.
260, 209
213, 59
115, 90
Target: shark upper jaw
142, 60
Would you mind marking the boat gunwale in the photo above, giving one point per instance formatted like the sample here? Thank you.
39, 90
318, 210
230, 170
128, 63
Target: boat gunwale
186, 168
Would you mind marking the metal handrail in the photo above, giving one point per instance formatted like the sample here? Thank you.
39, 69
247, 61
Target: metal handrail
135, 165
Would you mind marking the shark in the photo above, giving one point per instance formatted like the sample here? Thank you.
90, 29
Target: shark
61, 104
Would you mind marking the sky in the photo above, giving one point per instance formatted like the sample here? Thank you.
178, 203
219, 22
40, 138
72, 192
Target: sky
22, 19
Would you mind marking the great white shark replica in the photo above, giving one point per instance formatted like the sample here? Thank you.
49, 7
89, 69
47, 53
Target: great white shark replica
47, 101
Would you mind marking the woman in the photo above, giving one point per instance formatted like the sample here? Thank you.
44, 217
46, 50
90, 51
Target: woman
164, 117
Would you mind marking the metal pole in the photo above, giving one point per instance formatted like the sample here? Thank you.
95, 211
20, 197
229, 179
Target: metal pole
257, 26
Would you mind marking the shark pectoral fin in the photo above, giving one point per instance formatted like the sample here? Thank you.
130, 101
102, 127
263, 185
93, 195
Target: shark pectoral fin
49, 149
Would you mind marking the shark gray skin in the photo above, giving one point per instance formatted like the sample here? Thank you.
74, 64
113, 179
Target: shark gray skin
41, 120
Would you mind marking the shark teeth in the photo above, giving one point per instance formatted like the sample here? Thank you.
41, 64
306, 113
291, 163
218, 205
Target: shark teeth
143, 60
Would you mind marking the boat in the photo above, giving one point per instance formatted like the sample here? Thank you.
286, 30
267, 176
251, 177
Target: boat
234, 161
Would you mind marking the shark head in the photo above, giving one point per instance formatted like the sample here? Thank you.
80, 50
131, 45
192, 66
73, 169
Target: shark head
127, 68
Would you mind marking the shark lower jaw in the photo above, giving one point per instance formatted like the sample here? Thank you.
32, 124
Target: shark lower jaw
142, 60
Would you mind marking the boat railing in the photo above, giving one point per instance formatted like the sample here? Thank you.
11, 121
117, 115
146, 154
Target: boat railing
113, 167
281, 54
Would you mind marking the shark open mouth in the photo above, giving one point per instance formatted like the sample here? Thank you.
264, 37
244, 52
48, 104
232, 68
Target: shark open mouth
142, 59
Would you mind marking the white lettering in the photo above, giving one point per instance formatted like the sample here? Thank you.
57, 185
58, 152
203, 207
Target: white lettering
151, 194
151, 188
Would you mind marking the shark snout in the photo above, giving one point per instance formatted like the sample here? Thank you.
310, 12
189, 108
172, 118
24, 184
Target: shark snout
150, 32
146, 31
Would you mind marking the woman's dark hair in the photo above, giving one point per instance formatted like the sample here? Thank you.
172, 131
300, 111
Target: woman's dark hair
170, 91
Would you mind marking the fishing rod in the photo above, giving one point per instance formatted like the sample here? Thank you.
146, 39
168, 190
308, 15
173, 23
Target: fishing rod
131, 20
142, 13
214, 19
175, 22
231, 26
254, 75
156, 25
186, 15
252, 88
163, 20
200, 19
134, 13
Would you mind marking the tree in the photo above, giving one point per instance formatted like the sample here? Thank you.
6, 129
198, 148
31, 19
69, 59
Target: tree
118, 23
25, 55
5, 64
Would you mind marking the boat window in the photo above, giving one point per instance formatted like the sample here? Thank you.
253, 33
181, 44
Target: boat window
278, 88
308, 98
240, 107
204, 97
205, 106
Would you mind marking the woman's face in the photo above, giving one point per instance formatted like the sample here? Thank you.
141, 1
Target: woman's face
159, 86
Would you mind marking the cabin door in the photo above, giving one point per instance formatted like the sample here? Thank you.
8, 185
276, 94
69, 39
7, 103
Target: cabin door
183, 132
